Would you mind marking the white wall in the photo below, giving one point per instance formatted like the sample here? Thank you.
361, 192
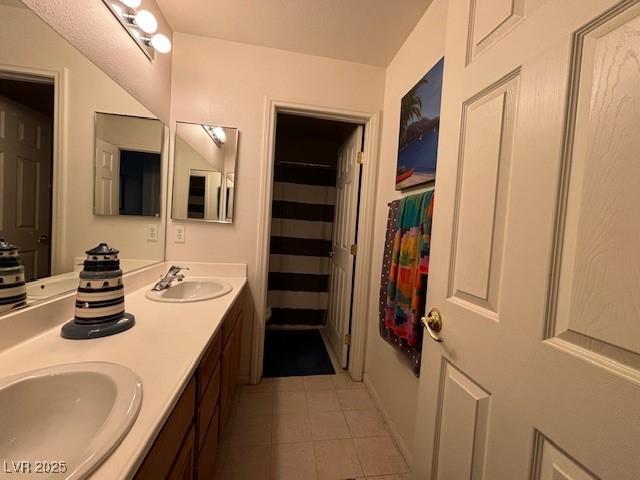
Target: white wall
387, 371
90, 27
28, 42
130, 133
225, 83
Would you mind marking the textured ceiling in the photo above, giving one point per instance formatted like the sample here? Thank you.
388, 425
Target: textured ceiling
364, 31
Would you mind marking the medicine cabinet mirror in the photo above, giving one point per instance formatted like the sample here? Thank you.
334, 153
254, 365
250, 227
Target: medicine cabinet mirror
204, 172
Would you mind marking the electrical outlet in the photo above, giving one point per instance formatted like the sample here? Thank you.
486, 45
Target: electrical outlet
178, 234
152, 232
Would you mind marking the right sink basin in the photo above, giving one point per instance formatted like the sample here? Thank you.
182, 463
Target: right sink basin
194, 289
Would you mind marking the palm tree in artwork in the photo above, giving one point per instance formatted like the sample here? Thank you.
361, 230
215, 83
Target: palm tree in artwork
410, 109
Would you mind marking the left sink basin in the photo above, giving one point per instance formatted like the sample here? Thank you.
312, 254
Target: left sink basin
65, 419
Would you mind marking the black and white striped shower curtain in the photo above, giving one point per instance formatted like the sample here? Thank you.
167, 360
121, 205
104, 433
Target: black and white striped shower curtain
301, 230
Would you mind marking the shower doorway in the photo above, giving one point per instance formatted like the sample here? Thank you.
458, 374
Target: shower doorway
312, 251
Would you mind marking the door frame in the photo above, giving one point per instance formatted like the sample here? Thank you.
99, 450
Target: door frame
366, 211
58, 168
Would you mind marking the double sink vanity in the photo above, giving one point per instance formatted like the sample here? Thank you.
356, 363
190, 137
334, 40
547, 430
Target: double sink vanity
148, 403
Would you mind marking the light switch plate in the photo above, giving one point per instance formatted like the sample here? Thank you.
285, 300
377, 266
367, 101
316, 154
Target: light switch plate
178, 234
152, 232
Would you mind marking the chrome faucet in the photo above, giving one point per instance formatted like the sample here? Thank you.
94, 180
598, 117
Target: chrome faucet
166, 281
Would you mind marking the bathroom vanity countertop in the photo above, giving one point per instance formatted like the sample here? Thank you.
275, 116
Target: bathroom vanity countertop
163, 349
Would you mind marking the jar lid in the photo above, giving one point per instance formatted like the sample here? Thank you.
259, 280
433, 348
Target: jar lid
102, 249
6, 246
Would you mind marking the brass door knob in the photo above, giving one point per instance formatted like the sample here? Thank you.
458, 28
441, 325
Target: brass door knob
433, 324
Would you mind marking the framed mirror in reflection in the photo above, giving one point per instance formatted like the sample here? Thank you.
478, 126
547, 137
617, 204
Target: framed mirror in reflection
204, 172
128, 173
49, 96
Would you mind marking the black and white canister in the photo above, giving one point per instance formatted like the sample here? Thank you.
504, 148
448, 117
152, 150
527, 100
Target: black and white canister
13, 288
99, 309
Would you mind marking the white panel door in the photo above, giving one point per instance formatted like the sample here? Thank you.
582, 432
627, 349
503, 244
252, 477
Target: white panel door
344, 235
25, 181
107, 182
535, 258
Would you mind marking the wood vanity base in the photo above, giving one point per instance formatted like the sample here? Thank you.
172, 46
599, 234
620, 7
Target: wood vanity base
186, 447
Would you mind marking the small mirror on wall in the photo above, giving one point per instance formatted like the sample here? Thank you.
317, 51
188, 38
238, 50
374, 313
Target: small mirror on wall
204, 166
128, 165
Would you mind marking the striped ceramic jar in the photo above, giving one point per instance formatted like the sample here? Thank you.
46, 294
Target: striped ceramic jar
13, 289
100, 297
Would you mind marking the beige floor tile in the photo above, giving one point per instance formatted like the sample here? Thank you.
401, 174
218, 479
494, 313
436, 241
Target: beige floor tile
389, 477
288, 384
247, 463
337, 459
289, 402
366, 423
322, 401
318, 382
291, 428
251, 430
265, 385
355, 399
293, 461
342, 381
255, 404
328, 426
379, 456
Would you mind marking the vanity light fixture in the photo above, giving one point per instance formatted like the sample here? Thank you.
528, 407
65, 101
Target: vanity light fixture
142, 25
217, 134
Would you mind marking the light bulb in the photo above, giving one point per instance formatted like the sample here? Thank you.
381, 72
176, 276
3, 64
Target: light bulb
161, 43
146, 21
132, 3
219, 133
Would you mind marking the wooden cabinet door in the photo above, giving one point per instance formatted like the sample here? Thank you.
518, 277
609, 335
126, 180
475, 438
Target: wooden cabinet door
169, 441
230, 371
226, 395
207, 457
183, 466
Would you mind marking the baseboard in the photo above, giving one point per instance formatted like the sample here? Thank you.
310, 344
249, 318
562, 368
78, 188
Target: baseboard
400, 443
244, 379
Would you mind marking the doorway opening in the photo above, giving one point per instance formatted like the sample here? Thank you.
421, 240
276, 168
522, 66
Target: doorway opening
313, 231
27, 105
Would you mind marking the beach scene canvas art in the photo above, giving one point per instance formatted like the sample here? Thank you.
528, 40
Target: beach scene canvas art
419, 130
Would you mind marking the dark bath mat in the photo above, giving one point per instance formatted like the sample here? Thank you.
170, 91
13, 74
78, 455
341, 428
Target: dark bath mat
289, 353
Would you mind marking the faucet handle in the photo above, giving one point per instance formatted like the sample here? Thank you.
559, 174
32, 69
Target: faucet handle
177, 269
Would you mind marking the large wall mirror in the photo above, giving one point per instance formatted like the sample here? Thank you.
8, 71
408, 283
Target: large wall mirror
59, 116
204, 166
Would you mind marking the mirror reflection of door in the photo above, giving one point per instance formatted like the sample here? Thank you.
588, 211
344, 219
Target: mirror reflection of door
204, 195
128, 161
229, 196
26, 166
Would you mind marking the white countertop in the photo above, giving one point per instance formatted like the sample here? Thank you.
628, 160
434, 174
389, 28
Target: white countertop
163, 349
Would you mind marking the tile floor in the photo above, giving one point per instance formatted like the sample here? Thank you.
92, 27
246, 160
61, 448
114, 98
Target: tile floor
308, 428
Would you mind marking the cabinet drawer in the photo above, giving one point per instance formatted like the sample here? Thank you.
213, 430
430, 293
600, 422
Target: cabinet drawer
183, 466
208, 364
166, 447
207, 406
206, 464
